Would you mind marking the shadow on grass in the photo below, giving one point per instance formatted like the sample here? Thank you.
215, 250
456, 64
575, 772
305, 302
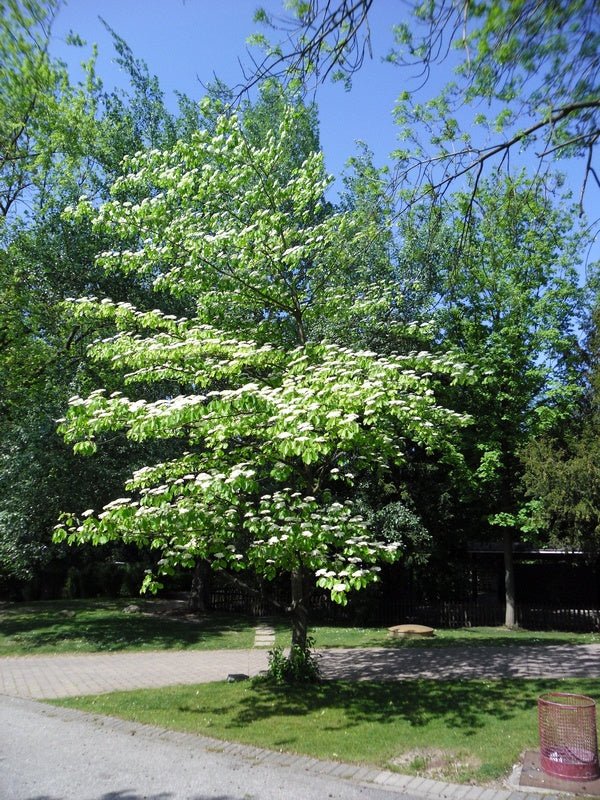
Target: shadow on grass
496, 639
103, 626
463, 705
475, 637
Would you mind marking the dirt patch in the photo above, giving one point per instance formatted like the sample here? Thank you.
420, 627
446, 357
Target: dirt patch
172, 609
445, 765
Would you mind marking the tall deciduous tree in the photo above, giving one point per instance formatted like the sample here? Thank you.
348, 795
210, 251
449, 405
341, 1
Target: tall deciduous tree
57, 139
274, 425
529, 71
562, 468
511, 302
46, 127
46, 123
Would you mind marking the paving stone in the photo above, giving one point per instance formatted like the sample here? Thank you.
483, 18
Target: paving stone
343, 770
475, 793
503, 794
399, 781
414, 784
435, 788
457, 791
494, 794
384, 777
365, 774
370, 775
264, 636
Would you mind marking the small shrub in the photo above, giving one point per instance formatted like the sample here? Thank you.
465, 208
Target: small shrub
299, 667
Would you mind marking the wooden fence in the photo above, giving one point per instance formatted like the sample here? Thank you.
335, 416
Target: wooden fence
437, 615
241, 602
472, 614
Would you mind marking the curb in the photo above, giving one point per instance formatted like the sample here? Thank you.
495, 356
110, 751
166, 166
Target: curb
392, 781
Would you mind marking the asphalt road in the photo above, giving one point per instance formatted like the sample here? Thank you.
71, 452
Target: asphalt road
49, 753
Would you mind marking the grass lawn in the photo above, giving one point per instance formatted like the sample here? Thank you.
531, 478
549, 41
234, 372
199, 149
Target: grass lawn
331, 636
456, 731
86, 626
81, 626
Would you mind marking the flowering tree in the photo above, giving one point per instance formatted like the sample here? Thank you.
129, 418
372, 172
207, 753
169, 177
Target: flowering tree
273, 427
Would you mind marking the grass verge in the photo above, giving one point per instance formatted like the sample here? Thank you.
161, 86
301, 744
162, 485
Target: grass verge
333, 636
457, 731
81, 626
91, 626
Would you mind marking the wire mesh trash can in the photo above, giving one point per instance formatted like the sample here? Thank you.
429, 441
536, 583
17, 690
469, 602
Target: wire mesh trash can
568, 742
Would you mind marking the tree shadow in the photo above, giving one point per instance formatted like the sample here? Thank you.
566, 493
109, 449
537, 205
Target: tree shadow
385, 664
132, 794
464, 705
499, 638
464, 637
105, 627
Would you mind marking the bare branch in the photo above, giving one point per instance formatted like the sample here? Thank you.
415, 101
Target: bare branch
589, 170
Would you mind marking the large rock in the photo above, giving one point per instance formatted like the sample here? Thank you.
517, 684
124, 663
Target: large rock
410, 631
132, 609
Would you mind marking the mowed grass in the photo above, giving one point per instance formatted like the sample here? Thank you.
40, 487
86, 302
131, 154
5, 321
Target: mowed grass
81, 626
89, 626
449, 730
334, 636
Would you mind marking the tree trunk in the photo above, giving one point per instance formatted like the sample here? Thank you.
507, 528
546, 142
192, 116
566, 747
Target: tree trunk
197, 600
299, 611
509, 580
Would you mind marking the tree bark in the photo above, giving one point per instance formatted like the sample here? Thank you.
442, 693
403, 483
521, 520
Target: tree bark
197, 600
299, 611
509, 580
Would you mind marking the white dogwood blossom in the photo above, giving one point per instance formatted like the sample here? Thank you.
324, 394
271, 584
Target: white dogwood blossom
273, 427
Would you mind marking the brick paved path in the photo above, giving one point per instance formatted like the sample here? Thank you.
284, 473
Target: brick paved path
68, 675
547, 661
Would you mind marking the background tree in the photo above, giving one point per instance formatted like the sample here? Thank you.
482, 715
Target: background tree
411, 503
562, 468
60, 139
532, 67
525, 77
47, 123
511, 303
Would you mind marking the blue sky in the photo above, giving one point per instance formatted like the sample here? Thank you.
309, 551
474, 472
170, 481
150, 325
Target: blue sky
187, 42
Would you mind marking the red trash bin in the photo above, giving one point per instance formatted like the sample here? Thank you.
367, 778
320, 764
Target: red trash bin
568, 742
